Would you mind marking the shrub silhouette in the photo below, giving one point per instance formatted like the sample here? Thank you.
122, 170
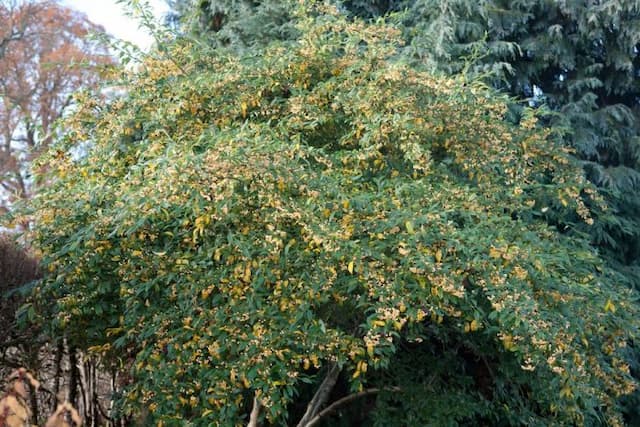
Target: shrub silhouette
17, 268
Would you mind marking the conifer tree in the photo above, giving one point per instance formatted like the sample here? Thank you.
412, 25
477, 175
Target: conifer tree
237, 23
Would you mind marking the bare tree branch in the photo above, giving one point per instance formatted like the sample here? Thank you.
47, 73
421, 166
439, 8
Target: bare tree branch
255, 412
45, 56
322, 394
343, 401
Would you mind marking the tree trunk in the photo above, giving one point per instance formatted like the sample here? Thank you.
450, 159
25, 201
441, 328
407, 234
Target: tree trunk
255, 412
73, 377
95, 404
34, 404
321, 395
34, 365
58, 373
84, 392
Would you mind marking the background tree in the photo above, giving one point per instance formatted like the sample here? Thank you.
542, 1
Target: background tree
45, 56
240, 24
315, 222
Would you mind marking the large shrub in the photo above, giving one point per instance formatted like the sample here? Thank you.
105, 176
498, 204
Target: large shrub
245, 227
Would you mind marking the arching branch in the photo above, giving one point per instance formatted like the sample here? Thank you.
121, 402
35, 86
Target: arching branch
322, 394
343, 401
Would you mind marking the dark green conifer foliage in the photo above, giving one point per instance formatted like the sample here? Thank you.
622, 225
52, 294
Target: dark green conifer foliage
238, 23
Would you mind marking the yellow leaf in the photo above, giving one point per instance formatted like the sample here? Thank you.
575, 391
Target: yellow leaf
114, 331
474, 325
402, 250
566, 392
494, 253
99, 348
609, 306
409, 226
247, 273
207, 292
370, 349
438, 255
507, 343
243, 107
350, 267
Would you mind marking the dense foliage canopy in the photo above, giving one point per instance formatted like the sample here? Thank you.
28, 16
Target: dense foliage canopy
581, 59
242, 227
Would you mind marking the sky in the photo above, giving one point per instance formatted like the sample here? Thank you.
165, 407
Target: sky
110, 15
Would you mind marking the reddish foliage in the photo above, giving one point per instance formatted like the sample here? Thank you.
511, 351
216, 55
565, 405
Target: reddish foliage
45, 55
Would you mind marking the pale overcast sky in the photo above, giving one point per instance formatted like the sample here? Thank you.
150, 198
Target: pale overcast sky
110, 15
